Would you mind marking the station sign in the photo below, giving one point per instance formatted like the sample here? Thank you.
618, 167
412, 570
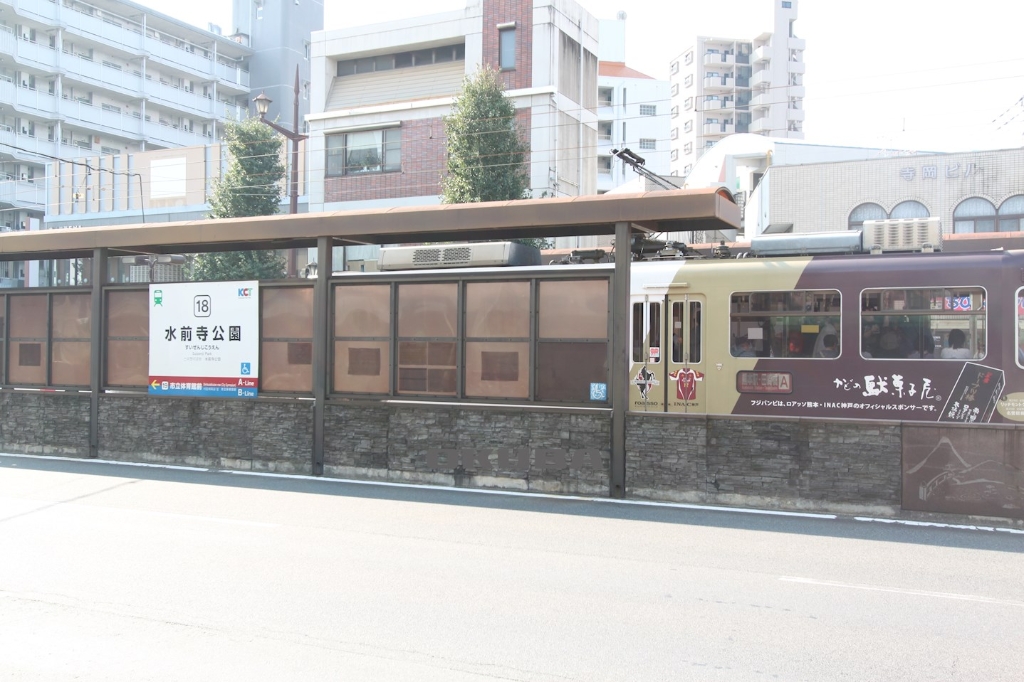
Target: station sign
204, 339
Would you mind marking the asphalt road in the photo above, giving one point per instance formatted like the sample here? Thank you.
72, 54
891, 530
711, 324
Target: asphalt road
114, 572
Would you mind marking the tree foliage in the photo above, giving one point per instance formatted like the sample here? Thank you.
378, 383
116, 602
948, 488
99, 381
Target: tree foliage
486, 152
252, 186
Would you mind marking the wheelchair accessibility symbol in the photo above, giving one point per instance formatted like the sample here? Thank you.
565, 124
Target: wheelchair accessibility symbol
246, 371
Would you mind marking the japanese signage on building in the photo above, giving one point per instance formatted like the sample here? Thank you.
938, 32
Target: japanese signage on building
204, 339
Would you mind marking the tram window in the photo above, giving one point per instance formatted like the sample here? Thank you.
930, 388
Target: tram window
652, 330
786, 324
693, 326
1020, 327
638, 332
923, 324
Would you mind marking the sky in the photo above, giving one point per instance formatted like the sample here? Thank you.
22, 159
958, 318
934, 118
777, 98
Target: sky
904, 75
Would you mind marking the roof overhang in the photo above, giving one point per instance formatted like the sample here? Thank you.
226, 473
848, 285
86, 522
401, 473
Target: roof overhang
661, 211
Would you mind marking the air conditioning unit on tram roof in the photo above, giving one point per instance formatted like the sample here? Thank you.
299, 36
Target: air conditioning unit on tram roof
476, 255
906, 234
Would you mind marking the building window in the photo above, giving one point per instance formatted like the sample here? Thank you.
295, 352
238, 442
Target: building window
686, 169
674, 68
402, 60
1011, 214
688, 58
674, 112
688, 103
648, 143
305, 46
604, 97
688, 126
974, 215
786, 324
688, 148
674, 155
688, 81
675, 89
909, 209
604, 165
507, 48
648, 110
786, 4
923, 324
366, 151
674, 134
865, 212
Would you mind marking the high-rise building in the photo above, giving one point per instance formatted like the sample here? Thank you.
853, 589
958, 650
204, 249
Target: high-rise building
721, 86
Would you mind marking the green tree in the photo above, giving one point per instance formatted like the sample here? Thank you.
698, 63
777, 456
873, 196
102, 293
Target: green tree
252, 186
486, 152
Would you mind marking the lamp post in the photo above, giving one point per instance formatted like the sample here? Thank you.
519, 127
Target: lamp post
262, 105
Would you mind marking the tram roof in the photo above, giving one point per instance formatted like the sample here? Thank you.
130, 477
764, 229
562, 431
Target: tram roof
661, 211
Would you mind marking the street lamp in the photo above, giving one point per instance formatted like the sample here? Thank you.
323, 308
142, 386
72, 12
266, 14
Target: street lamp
262, 106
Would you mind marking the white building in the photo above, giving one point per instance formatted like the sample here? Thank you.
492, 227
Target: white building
632, 111
379, 94
721, 86
109, 78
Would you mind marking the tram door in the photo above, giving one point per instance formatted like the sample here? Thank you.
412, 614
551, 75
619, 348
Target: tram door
647, 353
686, 388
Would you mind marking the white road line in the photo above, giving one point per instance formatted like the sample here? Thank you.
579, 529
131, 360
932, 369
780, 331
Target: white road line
900, 590
936, 524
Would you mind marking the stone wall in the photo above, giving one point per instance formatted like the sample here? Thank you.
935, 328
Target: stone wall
794, 463
544, 450
44, 423
257, 435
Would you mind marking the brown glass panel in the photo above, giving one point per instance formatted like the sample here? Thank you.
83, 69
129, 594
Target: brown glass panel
440, 353
128, 313
28, 316
127, 363
566, 370
70, 363
287, 312
574, 309
278, 374
3, 319
71, 316
412, 352
3, 376
427, 310
498, 310
26, 362
441, 381
412, 380
355, 360
362, 311
497, 369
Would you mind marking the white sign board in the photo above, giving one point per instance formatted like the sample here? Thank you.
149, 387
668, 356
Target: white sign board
204, 339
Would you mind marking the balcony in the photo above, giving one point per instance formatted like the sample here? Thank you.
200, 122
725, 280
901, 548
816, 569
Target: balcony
45, 12
795, 114
179, 57
715, 58
31, 144
88, 116
761, 125
27, 53
231, 112
168, 95
719, 129
796, 67
719, 83
762, 54
712, 104
27, 100
761, 101
797, 44
233, 74
82, 68
106, 29
761, 79
23, 193
796, 91
173, 136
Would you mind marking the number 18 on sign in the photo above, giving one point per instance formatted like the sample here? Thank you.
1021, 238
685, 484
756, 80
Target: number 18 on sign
204, 339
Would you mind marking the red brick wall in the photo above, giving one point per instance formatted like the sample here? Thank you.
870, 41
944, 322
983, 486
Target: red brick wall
423, 161
500, 12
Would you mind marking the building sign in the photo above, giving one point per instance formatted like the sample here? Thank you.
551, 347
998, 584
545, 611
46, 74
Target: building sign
949, 171
204, 339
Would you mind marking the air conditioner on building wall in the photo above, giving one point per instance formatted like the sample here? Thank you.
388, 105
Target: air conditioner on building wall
907, 234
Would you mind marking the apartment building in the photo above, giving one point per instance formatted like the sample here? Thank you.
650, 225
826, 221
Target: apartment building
721, 86
104, 78
632, 112
379, 94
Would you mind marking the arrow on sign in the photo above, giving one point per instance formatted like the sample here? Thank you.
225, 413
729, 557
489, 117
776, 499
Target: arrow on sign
155, 385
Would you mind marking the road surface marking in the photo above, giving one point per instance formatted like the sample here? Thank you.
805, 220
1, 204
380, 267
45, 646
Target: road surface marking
900, 590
